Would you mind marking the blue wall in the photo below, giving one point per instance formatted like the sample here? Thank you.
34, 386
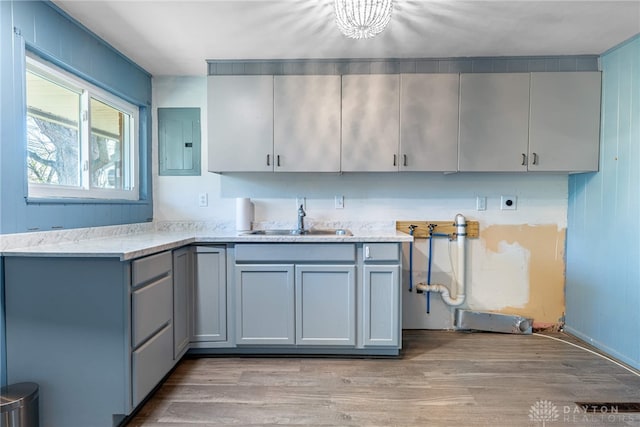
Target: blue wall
603, 233
49, 32
52, 34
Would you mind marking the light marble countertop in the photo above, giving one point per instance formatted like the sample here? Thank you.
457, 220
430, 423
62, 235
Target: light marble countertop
130, 246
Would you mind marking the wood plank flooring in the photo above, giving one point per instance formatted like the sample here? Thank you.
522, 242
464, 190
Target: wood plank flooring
442, 379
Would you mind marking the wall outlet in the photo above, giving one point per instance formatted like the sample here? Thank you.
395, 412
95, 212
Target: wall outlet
508, 203
203, 200
339, 201
481, 203
301, 200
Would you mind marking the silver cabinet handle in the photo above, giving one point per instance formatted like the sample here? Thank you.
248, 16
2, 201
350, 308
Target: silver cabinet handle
404, 160
395, 159
535, 158
524, 159
268, 159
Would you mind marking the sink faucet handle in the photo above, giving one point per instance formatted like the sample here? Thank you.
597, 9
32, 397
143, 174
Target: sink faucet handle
301, 215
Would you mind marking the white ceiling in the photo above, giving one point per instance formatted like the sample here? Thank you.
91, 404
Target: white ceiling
173, 37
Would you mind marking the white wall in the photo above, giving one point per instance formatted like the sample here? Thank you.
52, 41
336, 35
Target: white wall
501, 263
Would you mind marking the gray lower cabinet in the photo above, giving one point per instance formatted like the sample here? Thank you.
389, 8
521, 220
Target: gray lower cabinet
182, 288
68, 328
381, 304
325, 304
295, 294
209, 297
381, 295
265, 304
152, 322
296, 304
96, 334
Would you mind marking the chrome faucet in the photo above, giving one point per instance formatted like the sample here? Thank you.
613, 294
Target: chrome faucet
301, 215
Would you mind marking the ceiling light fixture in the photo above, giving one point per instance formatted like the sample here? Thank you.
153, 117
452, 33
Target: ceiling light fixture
362, 19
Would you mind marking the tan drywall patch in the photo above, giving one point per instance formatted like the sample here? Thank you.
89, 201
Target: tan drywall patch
546, 267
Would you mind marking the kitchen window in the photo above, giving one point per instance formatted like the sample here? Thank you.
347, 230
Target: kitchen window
82, 141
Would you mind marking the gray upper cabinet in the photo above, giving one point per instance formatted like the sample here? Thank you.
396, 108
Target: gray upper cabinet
476, 122
565, 121
240, 123
429, 122
306, 123
370, 123
494, 122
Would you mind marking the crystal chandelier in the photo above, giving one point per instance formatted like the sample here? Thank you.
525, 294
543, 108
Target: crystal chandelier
362, 19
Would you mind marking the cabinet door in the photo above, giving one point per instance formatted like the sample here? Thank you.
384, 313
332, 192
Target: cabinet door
325, 305
381, 305
209, 298
240, 123
370, 123
264, 304
182, 287
306, 133
564, 134
429, 122
494, 122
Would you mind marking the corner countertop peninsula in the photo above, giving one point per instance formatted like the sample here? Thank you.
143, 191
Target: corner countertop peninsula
130, 242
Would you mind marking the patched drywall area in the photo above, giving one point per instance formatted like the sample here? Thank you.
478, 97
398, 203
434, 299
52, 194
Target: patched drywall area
529, 278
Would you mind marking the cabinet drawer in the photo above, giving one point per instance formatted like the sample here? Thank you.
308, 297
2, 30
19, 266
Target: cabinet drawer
151, 267
381, 252
152, 308
150, 363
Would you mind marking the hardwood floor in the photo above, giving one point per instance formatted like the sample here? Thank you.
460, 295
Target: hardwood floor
442, 379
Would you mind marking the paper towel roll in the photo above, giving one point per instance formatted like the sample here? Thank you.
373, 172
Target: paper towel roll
244, 213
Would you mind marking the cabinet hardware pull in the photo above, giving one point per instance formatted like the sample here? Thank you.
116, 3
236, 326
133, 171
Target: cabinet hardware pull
395, 158
367, 253
535, 158
524, 159
405, 159
278, 160
268, 159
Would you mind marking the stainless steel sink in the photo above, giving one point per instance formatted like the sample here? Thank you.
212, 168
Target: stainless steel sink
292, 232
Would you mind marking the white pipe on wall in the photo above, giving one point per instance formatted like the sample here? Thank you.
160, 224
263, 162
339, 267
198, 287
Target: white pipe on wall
460, 272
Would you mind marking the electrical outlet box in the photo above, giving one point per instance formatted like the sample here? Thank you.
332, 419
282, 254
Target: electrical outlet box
301, 200
508, 203
203, 200
481, 203
339, 202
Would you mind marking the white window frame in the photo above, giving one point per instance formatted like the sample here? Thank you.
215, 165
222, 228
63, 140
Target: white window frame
131, 163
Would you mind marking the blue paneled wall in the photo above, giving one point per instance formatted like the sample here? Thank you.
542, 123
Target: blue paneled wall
603, 233
51, 33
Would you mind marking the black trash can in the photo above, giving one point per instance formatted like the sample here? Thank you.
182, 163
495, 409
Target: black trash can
19, 405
